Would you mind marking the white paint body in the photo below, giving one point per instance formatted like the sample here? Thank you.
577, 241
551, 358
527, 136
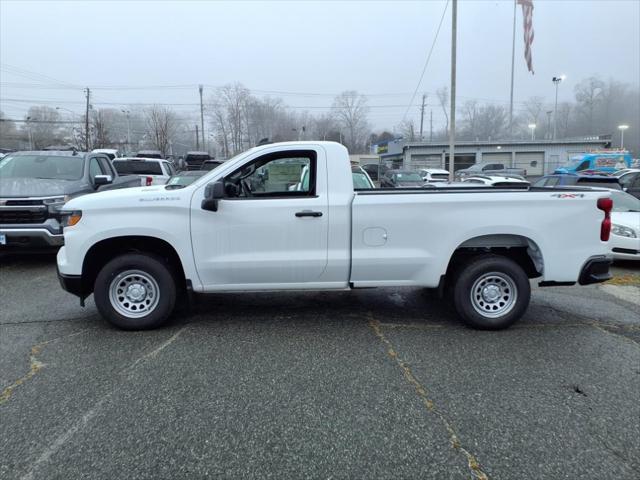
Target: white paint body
363, 239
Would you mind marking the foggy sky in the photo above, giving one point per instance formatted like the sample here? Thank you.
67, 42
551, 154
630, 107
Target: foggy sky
377, 48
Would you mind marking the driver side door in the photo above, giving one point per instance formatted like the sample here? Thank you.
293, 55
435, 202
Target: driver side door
270, 229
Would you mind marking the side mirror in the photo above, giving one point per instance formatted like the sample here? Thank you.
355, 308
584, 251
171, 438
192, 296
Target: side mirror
102, 180
212, 193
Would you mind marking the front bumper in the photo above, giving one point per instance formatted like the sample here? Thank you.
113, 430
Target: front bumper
71, 283
31, 237
595, 270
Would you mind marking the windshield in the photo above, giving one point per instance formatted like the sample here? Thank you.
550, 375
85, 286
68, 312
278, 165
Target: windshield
183, 180
623, 202
135, 167
50, 167
408, 177
360, 180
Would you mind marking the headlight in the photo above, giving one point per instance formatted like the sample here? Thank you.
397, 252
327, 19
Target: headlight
70, 218
56, 200
623, 231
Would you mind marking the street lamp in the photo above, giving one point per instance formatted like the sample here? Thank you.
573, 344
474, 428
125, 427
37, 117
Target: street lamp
556, 81
622, 128
532, 126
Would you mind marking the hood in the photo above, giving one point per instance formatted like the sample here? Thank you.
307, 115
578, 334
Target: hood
410, 183
35, 187
126, 197
627, 219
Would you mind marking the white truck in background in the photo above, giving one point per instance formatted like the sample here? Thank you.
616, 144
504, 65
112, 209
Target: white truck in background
241, 227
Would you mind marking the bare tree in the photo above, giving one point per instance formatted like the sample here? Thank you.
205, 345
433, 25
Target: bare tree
43, 127
443, 98
10, 137
534, 107
407, 130
350, 110
470, 120
588, 95
161, 127
491, 122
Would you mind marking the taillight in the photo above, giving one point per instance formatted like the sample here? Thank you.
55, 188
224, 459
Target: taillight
149, 181
605, 204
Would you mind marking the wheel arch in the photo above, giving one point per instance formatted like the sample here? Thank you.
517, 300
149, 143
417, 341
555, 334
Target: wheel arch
519, 248
105, 250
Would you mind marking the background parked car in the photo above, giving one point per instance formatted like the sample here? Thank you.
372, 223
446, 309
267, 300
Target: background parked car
210, 164
607, 162
629, 179
431, 175
112, 153
489, 169
194, 160
401, 178
149, 154
182, 179
375, 171
625, 231
361, 179
571, 179
34, 185
498, 180
151, 171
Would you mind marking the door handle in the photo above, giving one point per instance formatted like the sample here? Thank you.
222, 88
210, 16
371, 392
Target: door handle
308, 213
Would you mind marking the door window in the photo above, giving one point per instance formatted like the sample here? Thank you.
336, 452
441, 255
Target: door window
552, 182
276, 175
94, 168
583, 166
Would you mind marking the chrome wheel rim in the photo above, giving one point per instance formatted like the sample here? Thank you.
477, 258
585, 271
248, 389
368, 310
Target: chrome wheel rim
134, 293
494, 294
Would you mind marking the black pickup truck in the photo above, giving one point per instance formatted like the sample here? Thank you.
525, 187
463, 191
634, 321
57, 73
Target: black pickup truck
35, 185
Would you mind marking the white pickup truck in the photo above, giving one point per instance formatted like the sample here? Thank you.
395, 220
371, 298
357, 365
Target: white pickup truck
242, 227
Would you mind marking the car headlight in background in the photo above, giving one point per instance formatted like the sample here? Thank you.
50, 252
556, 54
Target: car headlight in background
623, 231
56, 200
70, 217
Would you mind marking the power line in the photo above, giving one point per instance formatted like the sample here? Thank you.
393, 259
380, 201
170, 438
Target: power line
426, 63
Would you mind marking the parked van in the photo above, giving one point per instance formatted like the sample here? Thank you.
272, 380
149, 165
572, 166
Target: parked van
608, 162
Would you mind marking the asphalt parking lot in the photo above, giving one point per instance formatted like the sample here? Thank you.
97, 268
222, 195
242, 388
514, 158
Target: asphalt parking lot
365, 384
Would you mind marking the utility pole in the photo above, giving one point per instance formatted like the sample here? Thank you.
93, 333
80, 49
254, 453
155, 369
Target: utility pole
197, 138
204, 145
548, 134
127, 112
86, 121
431, 126
513, 58
424, 97
452, 113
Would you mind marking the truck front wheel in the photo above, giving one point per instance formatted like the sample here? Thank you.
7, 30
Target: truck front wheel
135, 292
491, 292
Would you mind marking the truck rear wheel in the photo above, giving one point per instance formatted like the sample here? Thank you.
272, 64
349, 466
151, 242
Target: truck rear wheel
491, 292
135, 292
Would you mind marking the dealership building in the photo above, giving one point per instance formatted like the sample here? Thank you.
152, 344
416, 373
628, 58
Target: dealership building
537, 157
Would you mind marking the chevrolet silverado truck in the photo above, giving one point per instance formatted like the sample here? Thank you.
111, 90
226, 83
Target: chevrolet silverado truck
35, 185
287, 217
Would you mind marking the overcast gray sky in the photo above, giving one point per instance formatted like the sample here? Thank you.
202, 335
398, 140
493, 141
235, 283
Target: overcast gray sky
377, 48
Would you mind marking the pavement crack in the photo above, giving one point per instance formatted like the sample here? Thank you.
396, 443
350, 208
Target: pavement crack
35, 365
474, 466
81, 422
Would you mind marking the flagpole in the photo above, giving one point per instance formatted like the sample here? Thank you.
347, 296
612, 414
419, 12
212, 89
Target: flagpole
513, 56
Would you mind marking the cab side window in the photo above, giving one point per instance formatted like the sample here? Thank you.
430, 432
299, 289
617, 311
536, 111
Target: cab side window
275, 175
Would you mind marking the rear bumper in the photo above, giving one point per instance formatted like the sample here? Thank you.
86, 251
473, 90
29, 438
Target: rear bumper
31, 237
595, 270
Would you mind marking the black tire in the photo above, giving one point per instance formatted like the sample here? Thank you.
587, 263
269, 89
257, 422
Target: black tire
159, 295
501, 292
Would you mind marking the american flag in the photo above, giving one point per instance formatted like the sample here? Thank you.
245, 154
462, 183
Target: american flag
527, 16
